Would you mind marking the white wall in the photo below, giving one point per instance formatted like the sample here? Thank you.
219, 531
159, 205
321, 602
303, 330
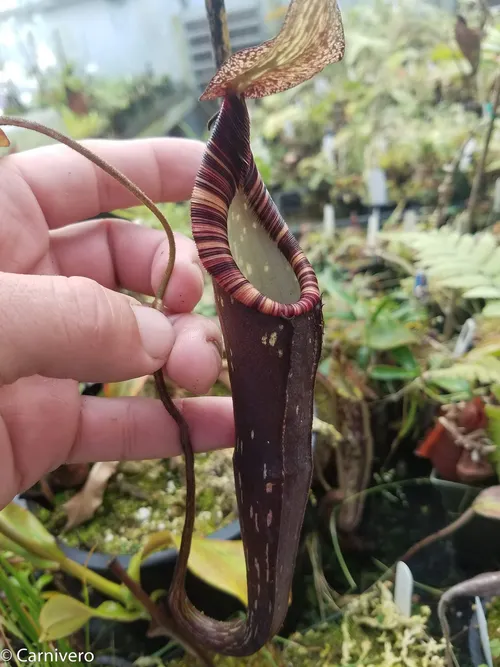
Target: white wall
121, 37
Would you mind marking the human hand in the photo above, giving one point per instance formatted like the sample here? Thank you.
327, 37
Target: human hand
62, 322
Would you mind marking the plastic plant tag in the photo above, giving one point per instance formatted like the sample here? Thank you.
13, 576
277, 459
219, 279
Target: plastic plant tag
328, 147
483, 632
467, 155
403, 588
329, 220
421, 288
466, 338
496, 197
377, 187
373, 228
410, 220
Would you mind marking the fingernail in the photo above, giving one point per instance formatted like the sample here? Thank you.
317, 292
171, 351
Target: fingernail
217, 346
157, 335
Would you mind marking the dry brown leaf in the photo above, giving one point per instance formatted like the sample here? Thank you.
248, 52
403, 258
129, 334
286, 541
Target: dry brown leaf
311, 38
469, 42
84, 504
4, 140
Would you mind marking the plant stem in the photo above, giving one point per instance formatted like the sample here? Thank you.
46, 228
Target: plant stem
53, 553
162, 620
440, 534
478, 177
445, 190
217, 18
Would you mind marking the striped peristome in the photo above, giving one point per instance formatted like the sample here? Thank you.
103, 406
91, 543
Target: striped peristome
228, 167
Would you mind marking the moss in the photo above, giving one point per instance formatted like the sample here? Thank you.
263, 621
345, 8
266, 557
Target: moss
147, 496
493, 616
372, 633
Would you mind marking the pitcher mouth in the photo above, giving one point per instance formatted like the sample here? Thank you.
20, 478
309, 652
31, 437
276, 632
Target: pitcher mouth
242, 240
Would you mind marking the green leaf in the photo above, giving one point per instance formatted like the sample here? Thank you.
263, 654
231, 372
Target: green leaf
386, 373
325, 366
492, 309
62, 615
444, 53
387, 334
403, 356
409, 420
7, 545
452, 385
493, 427
14, 519
43, 580
485, 370
485, 292
487, 503
495, 649
331, 285
155, 542
113, 611
220, 563
465, 282
363, 356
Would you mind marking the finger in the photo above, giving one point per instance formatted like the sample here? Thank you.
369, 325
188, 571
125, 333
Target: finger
118, 254
115, 429
75, 328
69, 188
193, 332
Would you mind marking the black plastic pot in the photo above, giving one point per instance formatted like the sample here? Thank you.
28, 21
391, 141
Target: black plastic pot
157, 570
477, 544
130, 639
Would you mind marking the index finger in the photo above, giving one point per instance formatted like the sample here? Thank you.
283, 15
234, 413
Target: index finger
70, 188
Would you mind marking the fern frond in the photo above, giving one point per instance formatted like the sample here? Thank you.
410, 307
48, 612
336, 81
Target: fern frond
469, 263
492, 309
464, 282
478, 372
483, 292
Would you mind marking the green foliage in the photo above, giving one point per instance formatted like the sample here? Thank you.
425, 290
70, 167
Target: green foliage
378, 323
493, 430
220, 563
83, 127
468, 263
62, 616
371, 632
178, 216
380, 102
21, 604
480, 366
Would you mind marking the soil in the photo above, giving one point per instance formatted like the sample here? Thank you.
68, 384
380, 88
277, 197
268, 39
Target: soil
149, 496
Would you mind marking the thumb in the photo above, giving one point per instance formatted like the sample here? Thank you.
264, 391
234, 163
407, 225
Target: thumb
75, 328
